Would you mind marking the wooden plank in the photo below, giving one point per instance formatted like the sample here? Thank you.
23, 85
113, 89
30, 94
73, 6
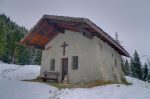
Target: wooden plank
56, 27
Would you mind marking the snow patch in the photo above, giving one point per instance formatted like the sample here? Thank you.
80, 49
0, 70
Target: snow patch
12, 88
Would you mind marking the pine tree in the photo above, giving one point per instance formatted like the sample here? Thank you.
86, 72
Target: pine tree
136, 66
2, 40
145, 72
123, 65
122, 59
38, 56
117, 38
133, 72
127, 68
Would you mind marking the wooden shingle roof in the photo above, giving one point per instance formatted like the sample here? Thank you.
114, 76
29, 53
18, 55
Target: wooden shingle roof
49, 26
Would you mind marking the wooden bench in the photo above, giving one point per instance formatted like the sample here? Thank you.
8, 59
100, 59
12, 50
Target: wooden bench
50, 76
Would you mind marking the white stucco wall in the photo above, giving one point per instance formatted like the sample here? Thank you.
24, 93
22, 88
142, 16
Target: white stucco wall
94, 63
106, 58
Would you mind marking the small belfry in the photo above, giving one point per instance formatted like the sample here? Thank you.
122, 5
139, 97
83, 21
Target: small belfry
98, 56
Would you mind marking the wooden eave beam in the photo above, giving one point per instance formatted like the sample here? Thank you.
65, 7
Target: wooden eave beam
56, 27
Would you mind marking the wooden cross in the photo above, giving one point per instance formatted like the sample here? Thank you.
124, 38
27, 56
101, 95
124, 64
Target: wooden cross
64, 47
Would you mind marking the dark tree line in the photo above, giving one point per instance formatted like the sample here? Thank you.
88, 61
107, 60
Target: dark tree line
10, 49
134, 68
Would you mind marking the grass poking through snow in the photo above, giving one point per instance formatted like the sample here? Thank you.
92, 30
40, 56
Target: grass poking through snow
78, 85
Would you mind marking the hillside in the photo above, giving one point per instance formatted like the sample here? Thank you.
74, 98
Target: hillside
12, 88
10, 49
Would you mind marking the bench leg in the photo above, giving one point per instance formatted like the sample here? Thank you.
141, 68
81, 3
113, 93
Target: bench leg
44, 79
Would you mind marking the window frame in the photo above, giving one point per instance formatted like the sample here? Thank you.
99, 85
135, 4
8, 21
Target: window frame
52, 64
75, 62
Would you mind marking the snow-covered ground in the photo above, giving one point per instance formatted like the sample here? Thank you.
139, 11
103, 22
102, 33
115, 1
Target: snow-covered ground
12, 88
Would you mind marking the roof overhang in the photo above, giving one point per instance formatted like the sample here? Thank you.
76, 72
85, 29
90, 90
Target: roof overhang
49, 26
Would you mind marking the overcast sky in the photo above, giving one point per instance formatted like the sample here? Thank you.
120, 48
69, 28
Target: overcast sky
130, 18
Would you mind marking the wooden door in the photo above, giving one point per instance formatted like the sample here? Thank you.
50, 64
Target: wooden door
64, 68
